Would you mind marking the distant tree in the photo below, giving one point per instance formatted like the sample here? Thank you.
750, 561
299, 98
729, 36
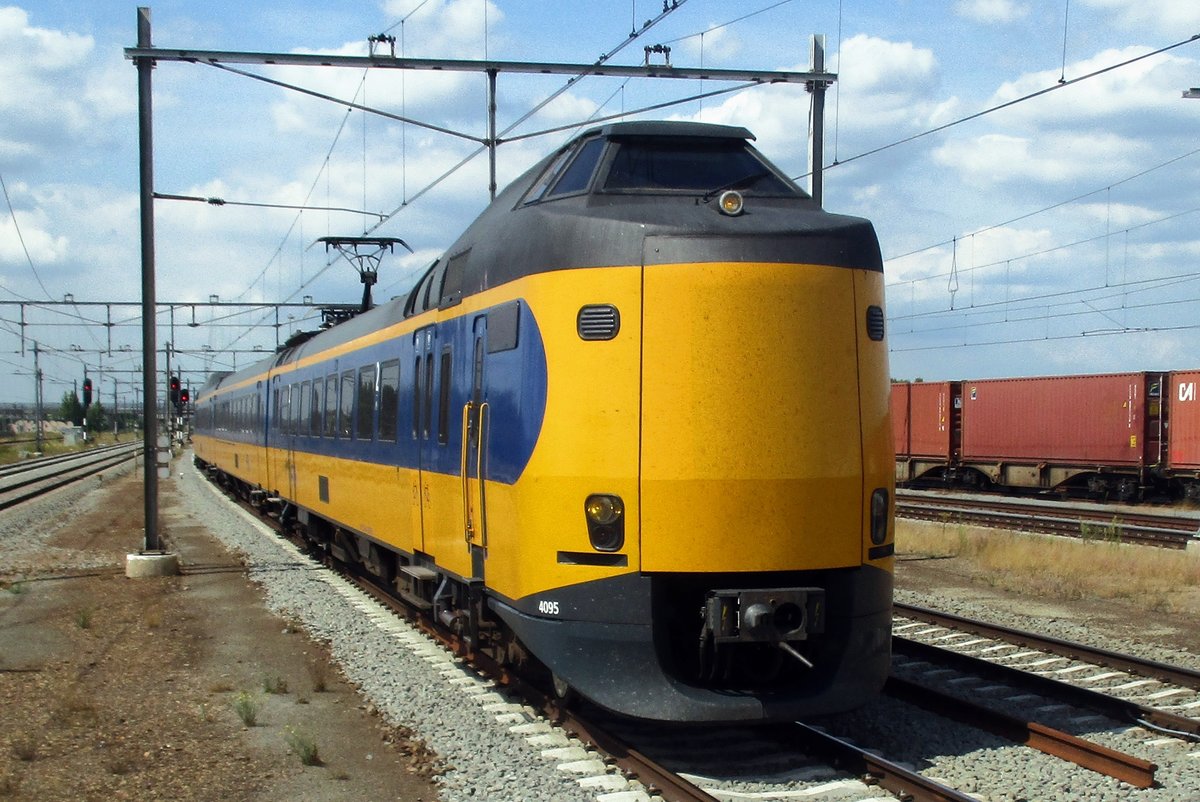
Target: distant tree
97, 418
70, 409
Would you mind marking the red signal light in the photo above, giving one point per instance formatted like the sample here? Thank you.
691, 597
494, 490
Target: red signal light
87, 393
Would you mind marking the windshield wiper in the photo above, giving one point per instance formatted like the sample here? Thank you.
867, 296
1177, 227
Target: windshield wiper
742, 183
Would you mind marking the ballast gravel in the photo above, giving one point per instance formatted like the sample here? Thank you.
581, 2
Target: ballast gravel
396, 670
491, 755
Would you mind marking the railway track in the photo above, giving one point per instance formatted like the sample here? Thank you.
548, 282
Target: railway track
1047, 680
633, 762
629, 771
23, 481
1174, 530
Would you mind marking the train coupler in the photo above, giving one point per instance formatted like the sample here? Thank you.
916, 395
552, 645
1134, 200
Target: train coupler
764, 615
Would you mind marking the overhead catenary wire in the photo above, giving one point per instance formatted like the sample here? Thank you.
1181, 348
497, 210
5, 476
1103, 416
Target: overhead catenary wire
1042, 210
1006, 104
409, 200
1049, 250
12, 215
1045, 338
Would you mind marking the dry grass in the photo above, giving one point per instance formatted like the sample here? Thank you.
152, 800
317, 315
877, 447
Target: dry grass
303, 745
1149, 578
318, 672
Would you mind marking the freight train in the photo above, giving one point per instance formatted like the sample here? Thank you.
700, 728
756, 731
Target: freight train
1122, 436
597, 438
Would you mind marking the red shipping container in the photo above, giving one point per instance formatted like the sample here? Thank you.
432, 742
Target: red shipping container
1183, 421
899, 407
931, 419
1095, 420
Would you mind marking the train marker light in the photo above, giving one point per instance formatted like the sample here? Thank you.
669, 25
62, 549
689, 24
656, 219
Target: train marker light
879, 516
605, 520
730, 202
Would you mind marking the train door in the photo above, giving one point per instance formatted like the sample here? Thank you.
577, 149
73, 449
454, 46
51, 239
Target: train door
473, 463
278, 470
429, 429
291, 421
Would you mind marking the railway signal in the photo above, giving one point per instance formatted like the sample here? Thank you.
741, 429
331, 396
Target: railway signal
87, 394
174, 391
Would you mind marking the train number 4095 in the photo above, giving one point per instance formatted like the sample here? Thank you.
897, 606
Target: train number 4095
546, 607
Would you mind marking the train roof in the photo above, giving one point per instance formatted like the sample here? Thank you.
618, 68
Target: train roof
668, 128
530, 228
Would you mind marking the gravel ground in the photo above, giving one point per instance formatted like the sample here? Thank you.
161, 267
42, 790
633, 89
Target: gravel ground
495, 749
116, 689
410, 682
490, 761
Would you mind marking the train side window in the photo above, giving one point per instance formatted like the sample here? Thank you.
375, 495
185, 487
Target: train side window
578, 174
294, 417
293, 407
433, 293
331, 405
318, 394
345, 418
412, 306
444, 400
427, 410
552, 171
305, 408
389, 401
364, 415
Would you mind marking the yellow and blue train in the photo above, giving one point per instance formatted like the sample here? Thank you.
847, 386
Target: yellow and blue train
633, 428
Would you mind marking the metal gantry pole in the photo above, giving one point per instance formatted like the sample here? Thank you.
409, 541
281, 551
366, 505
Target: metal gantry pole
491, 135
816, 139
37, 396
149, 333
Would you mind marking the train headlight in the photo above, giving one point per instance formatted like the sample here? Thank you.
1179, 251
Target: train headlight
879, 516
605, 521
730, 202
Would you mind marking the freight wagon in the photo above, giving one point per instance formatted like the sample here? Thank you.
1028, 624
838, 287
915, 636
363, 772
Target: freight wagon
1119, 435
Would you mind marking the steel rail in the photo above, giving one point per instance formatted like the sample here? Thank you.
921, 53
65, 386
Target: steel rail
1045, 524
1095, 757
32, 488
1175, 675
1168, 531
905, 784
633, 764
14, 468
1112, 706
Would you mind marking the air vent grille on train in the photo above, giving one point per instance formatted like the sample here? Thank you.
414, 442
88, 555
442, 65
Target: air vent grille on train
875, 322
598, 322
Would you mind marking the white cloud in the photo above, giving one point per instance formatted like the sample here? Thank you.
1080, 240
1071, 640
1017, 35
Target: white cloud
716, 46
991, 11
1177, 18
57, 90
1050, 158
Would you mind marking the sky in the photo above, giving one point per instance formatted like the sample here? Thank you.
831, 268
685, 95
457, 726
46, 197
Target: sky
1032, 168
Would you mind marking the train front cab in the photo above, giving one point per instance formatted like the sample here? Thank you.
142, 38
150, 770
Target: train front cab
744, 582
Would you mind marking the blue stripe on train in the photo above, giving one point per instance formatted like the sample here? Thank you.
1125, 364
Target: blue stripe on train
514, 388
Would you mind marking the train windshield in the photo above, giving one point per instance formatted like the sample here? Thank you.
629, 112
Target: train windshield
692, 165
